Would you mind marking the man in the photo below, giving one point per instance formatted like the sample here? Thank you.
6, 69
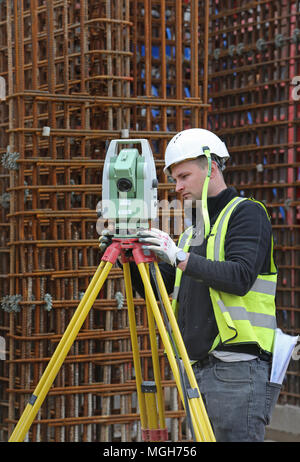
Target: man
223, 288
231, 347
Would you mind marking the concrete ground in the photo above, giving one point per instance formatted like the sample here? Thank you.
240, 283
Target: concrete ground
284, 425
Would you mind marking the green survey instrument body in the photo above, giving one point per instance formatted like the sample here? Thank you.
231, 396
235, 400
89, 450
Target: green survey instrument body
129, 186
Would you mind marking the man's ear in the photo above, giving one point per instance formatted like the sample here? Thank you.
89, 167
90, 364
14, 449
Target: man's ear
214, 169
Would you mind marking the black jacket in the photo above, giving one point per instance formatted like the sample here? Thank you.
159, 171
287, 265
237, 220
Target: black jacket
247, 254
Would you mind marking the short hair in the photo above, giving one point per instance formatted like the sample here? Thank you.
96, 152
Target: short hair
218, 160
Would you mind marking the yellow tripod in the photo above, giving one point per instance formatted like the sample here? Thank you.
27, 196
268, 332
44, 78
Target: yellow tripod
150, 395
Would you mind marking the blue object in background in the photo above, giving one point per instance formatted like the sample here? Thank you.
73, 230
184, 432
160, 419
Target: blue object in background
155, 51
187, 53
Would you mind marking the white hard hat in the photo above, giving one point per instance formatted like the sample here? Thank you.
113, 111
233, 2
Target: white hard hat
188, 144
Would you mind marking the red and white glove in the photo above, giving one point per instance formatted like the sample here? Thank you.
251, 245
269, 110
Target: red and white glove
161, 244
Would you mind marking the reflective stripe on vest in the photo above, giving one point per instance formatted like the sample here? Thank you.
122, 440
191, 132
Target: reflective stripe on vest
239, 313
264, 287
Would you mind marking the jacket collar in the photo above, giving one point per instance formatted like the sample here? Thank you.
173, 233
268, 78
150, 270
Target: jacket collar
215, 204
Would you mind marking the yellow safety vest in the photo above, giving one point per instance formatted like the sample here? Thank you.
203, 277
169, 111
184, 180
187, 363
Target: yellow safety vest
240, 319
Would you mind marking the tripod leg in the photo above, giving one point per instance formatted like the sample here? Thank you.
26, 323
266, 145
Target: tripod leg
60, 353
155, 361
198, 403
134, 343
57, 351
161, 327
147, 400
199, 431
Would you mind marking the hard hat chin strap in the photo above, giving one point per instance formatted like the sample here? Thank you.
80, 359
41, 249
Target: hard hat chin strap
205, 214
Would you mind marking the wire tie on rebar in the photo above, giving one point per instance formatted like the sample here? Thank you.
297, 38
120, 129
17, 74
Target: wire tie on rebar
217, 53
279, 40
11, 303
231, 50
296, 36
287, 203
120, 299
5, 200
9, 159
261, 45
48, 302
240, 48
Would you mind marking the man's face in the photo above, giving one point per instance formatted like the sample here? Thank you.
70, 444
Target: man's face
189, 177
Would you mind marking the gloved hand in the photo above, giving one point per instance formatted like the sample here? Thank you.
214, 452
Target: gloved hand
161, 244
105, 240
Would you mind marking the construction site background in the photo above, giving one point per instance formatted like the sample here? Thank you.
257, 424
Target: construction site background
73, 76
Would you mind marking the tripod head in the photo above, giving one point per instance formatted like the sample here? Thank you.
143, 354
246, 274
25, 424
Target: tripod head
129, 187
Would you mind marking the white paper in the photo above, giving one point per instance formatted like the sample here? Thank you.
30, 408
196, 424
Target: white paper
283, 348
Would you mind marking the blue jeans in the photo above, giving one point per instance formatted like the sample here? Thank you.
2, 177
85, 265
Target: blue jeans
238, 397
